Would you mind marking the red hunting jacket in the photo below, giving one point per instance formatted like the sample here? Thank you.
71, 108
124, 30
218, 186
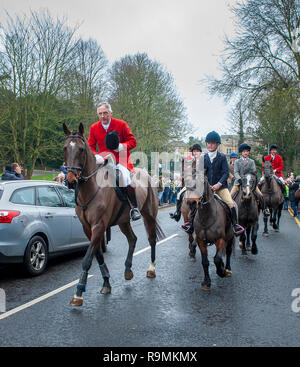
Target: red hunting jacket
277, 164
97, 137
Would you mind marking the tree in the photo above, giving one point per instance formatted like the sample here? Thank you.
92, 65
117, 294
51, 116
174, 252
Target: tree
47, 76
86, 81
261, 65
262, 49
143, 94
276, 120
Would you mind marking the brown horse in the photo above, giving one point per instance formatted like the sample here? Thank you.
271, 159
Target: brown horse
213, 225
100, 205
248, 213
273, 198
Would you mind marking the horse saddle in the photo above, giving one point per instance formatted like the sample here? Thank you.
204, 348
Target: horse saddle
223, 203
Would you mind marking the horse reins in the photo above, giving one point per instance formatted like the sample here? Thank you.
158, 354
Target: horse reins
82, 179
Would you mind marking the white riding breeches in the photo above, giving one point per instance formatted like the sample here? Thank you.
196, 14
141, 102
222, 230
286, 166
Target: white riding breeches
124, 178
262, 179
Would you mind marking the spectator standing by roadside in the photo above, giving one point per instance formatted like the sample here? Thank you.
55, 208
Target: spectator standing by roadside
294, 186
166, 191
64, 170
160, 190
12, 172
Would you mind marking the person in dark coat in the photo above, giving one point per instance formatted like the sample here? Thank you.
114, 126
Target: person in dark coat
294, 186
217, 172
12, 172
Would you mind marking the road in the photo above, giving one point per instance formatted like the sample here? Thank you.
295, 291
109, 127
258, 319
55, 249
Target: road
252, 308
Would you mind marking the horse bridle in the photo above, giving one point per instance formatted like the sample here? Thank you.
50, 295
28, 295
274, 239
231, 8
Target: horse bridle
80, 169
82, 179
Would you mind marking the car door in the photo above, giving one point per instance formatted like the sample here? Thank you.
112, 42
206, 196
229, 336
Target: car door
78, 236
55, 216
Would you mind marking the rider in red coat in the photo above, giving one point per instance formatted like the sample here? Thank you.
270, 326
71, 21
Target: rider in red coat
277, 165
115, 137
276, 160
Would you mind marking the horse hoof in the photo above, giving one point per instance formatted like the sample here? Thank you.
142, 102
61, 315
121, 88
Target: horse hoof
248, 248
276, 230
228, 273
151, 274
254, 251
193, 259
129, 275
76, 301
205, 288
266, 234
105, 290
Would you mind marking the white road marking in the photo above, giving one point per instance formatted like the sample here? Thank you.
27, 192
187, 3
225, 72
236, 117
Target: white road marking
58, 290
158, 243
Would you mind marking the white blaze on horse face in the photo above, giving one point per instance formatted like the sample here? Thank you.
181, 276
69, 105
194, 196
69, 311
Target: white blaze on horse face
248, 185
72, 144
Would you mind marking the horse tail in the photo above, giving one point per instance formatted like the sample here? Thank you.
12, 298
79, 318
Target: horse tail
159, 232
152, 200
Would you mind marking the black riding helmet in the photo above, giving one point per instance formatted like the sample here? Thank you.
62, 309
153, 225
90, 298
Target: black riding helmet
196, 147
112, 140
244, 146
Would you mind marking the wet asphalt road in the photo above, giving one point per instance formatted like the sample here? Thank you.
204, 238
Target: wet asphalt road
253, 308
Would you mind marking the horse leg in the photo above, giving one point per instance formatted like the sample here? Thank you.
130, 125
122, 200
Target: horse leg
77, 300
248, 232
275, 226
192, 247
265, 232
218, 258
205, 285
279, 215
243, 240
151, 228
106, 288
131, 238
229, 248
152, 241
254, 249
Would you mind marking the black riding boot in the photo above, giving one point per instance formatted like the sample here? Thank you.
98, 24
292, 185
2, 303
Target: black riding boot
188, 227
177, 213
134, 212
237, 229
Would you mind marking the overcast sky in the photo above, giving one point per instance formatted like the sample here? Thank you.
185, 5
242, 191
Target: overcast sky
185, 36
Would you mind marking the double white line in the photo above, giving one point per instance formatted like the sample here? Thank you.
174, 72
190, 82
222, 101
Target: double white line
58, 290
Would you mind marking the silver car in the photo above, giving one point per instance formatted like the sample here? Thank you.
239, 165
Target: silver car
37, 220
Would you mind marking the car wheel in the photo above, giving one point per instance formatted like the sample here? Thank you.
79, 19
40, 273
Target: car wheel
36, 256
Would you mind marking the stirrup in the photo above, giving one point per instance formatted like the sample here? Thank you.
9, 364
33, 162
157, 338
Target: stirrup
135, 214
237, 229
187, 227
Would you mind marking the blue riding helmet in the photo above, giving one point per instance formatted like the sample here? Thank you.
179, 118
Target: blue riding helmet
244, 146
233, 155
213, 137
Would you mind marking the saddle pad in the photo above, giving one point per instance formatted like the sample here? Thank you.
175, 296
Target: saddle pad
222, 202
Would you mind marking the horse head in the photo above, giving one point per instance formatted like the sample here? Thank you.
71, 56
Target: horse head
267, 169
75, 154
248, 185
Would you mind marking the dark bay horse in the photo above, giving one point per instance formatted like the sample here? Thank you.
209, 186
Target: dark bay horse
273, 197
99, 206
248, 213
213, 225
